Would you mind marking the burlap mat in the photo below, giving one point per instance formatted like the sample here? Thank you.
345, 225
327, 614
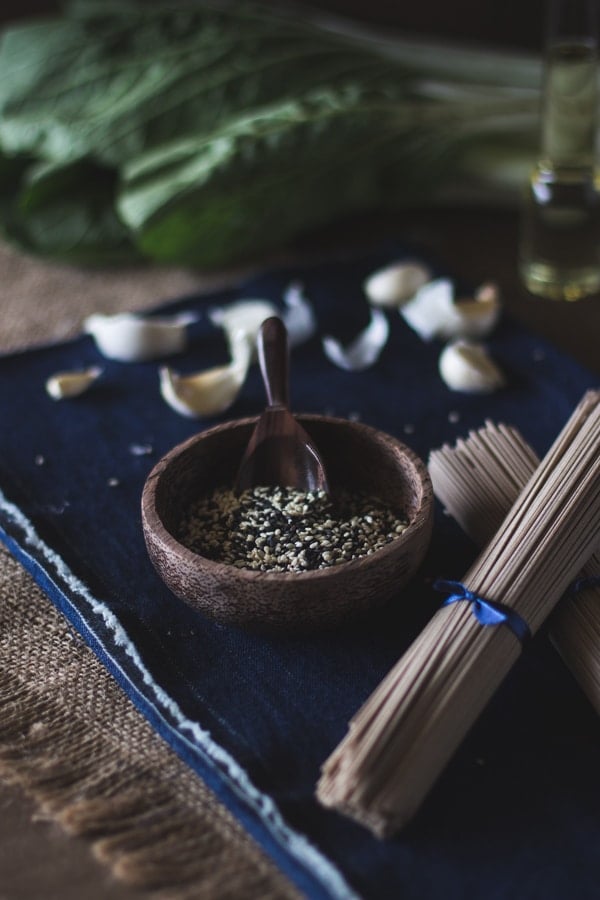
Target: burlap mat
68, 734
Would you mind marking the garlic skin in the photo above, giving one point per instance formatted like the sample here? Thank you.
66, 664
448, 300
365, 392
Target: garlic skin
244, 316
212, 391
63, 385
480, 313
395, 284
126, 337
299, 316
248, 315
467, 366
434, 313
364, 350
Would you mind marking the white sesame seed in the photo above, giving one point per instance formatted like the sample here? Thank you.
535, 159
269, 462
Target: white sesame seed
287, 530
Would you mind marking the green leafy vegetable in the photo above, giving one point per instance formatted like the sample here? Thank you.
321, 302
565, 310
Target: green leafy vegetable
191, 133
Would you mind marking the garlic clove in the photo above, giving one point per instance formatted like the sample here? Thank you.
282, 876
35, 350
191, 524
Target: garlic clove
488, 292
430, 308
364, 350
244, 316
131, 338
204, 394
434, 313
478, 316
211, 391
395, 284
248, 315
467, 366
71, 384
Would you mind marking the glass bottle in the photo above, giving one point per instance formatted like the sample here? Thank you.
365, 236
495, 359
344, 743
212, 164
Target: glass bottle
559, 254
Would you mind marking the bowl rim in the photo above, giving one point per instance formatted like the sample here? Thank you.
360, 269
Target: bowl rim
152, 522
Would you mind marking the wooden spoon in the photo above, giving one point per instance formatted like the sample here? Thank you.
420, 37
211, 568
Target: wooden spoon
279, 452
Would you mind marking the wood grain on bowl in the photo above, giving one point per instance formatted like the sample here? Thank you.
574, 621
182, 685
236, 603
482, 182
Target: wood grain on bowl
357, 457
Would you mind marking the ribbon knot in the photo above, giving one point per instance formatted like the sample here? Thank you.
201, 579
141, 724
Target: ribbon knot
487, 612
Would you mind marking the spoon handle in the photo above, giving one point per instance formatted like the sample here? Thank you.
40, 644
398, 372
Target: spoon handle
273, 357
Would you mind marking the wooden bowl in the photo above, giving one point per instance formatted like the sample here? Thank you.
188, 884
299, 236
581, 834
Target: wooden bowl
356, 457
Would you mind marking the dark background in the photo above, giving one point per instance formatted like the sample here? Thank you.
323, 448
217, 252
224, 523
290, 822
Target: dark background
503, 24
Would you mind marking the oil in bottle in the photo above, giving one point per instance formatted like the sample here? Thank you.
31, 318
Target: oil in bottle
560, 227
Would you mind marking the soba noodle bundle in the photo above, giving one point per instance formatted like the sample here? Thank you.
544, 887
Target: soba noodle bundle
477, 481
405, 733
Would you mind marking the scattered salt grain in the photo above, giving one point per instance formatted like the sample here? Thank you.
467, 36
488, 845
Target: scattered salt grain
141, 449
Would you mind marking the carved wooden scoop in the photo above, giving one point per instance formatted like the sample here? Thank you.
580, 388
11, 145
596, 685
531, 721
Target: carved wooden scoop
279, 452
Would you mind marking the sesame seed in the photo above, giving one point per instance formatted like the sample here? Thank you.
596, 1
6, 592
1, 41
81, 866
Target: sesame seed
285, 530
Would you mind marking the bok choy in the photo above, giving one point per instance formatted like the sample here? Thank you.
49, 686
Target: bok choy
200, 133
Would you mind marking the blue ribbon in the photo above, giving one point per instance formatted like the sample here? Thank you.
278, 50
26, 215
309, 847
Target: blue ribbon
487, 612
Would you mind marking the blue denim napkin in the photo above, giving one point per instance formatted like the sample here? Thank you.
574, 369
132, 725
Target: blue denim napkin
515, 814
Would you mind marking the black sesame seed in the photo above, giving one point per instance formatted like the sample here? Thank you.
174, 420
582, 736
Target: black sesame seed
273, 529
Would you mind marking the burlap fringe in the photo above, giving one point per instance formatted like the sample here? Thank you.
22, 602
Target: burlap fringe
135, 823
67, 734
